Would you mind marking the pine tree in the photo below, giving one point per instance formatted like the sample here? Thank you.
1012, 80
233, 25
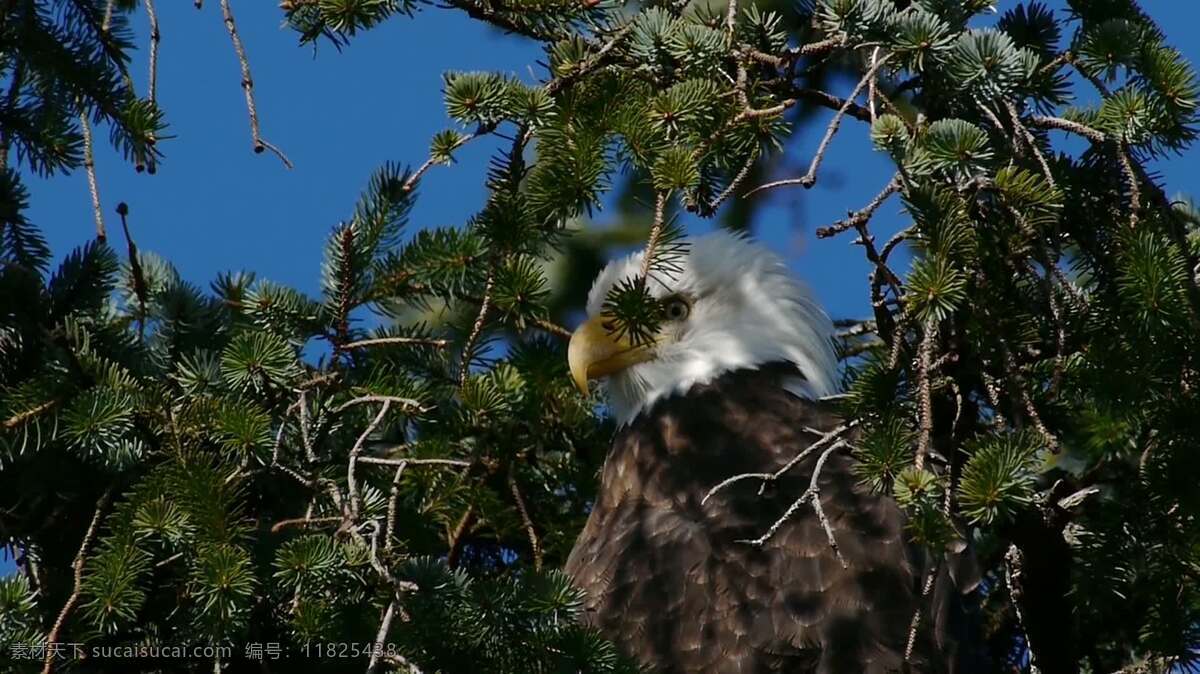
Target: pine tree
174, 471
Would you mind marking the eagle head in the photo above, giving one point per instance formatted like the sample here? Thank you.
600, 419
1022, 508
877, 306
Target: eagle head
731, 304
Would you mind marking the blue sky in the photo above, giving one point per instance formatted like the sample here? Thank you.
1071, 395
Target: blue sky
215, 206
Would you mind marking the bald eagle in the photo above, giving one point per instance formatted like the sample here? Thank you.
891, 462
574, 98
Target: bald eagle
732, 384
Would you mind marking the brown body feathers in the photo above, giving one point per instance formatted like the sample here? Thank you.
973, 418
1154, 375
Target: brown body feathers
676, 585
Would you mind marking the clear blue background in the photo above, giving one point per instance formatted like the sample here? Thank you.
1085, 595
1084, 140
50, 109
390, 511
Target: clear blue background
214, 205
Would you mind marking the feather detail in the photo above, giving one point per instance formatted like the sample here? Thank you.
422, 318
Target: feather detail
748, 309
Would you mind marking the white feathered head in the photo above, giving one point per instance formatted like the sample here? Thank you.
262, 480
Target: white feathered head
733, 304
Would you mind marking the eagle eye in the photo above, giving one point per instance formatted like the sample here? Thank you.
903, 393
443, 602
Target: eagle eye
676, 308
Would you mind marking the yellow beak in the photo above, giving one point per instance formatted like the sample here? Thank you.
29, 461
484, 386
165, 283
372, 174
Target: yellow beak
596, 352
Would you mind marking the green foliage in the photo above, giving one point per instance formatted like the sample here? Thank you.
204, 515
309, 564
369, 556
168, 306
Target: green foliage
952, 147
999, 477
883, 451
1037, 360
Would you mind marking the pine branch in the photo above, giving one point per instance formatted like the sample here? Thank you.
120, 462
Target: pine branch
141, 289
593, 62
483, 11
411, 183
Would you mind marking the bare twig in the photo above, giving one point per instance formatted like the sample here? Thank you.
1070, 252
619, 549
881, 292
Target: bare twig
810, 178
1013, 572
828, 100
874, 84
389, 531
812, 495
21, 417
855, 328
319, 379
155, 36
278, 444
660, 204
822, 441
89, 166
485, 306
551, 328
355, 451
259, 143
402, 662
863, 215
408, 404
1016, 380
592, 63
1032, 143
459, 535
1043, 122
304, 522
385, 624
733, 184
77, 565
535, 543
916, 619
991, 389
1131, 181
305, 439
987, 112
1056, 314
792, 55
924, 358
381, 461
394, 341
